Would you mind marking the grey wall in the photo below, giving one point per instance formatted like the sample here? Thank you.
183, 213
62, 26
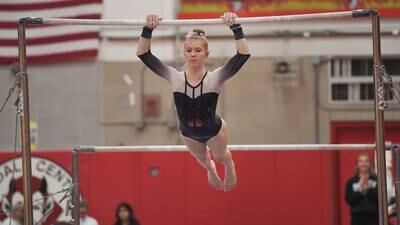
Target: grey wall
64, 99
86, 103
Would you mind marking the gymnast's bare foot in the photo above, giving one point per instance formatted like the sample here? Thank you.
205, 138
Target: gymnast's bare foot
213, 178
230, 176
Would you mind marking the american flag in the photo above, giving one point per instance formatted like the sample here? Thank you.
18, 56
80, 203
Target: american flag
49, 43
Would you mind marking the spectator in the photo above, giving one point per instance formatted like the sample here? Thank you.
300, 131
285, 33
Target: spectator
16, 215
85, 219
362, 193
125, 216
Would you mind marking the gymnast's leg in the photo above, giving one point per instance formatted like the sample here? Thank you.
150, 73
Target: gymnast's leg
218, 146
200, 152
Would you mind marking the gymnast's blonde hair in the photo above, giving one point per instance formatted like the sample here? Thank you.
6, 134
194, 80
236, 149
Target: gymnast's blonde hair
198, 34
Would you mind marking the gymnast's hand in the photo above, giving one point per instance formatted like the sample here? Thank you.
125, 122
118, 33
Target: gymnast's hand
152, 21
229, 18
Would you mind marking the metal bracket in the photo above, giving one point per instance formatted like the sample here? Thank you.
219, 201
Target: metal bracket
68, 195
84, 149
364, 12
382, 104
31, 20
20, 100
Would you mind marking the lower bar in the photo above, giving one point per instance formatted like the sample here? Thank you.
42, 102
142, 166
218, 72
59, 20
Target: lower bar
181, 148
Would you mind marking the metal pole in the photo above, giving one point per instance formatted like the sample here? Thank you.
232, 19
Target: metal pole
75, 190
379, 123
396, 154
25, 128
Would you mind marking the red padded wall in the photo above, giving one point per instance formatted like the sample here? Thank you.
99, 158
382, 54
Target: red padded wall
277, 188
274, 188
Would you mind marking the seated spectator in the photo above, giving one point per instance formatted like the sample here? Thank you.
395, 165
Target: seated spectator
85, 219
125, 216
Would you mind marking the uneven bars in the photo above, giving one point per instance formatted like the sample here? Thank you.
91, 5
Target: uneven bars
182, 148
243, 20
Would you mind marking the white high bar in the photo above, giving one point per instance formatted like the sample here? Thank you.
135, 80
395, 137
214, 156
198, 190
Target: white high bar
243, 20
182, 148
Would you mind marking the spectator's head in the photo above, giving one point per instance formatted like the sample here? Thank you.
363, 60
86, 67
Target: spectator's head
124, 214
83, 208
363, 164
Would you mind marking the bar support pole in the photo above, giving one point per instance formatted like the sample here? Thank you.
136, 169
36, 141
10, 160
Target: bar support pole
379, 105
25, 127
75, 187
396, 154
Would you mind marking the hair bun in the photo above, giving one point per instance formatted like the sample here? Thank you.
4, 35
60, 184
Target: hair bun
199, 32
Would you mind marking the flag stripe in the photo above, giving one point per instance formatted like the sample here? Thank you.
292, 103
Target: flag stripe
47, 31
52, 58
67, 46
26, 1
45, 5
13, 24
65, 12
52, 39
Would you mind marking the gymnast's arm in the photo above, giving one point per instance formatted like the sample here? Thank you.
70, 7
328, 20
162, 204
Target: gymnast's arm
241, 43
144, 46
243, 53
144, 43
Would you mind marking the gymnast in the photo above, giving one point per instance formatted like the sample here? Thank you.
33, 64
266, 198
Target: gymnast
196, 91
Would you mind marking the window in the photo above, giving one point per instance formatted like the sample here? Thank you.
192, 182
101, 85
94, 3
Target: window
340, 92
361, 67
366, 91
351, 78
392, 66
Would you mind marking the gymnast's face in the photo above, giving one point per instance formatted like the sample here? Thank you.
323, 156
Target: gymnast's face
195, 52
363, 163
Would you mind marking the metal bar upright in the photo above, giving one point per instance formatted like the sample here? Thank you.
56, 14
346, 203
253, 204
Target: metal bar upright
379, 105
75, 190
396, 155
25, 127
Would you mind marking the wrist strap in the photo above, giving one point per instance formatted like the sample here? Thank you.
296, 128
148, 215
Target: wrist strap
237, 31
147, 32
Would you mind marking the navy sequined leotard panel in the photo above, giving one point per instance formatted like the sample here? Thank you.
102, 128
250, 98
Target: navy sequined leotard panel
196, 105
197, 115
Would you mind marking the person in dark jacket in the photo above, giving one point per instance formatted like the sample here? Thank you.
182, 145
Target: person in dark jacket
125, 215
362, 193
